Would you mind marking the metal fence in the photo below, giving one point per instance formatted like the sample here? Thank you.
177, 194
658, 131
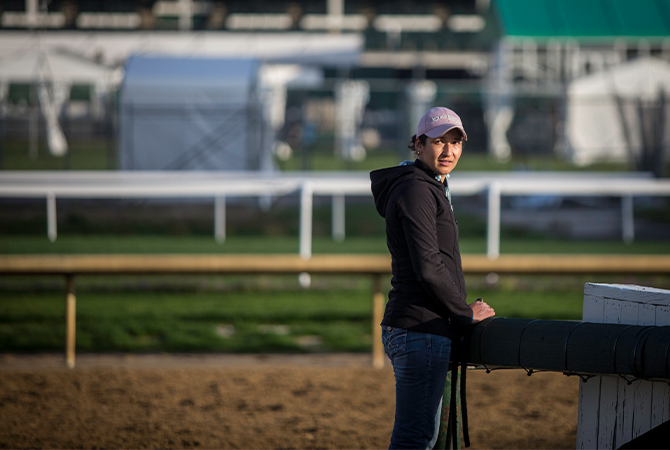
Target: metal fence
87, 127
538, 127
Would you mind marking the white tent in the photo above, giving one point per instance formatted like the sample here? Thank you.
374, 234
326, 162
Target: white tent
606, 119
190, 114
290, 52
54, 72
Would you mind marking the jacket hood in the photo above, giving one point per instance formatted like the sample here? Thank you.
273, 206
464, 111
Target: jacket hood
385, 180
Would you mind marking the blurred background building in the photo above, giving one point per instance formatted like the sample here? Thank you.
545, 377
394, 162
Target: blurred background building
584, 82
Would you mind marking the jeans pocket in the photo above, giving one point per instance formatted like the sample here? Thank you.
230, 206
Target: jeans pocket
394, 340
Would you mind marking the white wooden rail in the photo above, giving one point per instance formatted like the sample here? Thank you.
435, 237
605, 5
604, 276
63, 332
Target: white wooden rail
611, 411
220, 185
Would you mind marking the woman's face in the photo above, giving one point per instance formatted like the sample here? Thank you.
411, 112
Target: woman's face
441, 154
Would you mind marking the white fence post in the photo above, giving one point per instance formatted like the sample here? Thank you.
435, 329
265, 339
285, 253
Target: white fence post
493, 223
627, 219
220, 218
306, 221
611, 411
338, 217
51, 216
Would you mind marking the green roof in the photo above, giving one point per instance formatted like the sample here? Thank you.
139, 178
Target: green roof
585, 19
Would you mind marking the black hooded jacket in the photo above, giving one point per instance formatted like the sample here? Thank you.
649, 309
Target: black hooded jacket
428, 292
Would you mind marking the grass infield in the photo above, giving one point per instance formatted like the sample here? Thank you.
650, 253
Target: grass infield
254, 314
327, 318
243, 313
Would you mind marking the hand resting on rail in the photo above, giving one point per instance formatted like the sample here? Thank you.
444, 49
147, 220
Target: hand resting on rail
480, 311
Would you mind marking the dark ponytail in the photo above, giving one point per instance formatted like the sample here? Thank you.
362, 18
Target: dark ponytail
412, 144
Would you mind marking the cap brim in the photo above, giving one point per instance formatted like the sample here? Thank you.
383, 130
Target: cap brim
442, 129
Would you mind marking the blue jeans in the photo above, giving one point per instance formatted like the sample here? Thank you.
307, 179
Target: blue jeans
420, 363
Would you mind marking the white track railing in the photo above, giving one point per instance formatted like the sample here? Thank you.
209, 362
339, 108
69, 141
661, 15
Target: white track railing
220, 185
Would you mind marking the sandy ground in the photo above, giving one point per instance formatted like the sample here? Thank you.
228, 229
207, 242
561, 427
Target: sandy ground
255, 402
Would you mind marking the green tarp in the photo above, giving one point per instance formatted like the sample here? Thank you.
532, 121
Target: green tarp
585, 19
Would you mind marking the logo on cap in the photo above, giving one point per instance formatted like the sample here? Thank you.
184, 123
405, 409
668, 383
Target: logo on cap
446, 116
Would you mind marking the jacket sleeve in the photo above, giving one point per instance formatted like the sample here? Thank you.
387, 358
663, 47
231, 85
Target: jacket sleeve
417, 211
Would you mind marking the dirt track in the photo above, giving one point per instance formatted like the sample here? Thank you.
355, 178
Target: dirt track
321, 401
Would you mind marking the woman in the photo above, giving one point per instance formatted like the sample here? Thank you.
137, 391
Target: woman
426, 310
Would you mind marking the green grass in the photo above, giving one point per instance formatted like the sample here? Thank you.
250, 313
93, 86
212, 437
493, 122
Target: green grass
186, 244
556, 305
482, 162
239, 313
540, 245
326, 160
239, 321
91, 154
69, 244
188, 321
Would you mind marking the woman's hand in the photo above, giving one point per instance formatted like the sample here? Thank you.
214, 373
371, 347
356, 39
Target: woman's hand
480, 311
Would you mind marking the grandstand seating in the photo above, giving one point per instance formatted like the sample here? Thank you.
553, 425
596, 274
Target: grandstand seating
420, 25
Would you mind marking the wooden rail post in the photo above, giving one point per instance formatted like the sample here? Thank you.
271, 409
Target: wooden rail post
377, 316
70, 321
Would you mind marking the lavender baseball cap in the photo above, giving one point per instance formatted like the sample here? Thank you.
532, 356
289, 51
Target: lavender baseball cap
438, 121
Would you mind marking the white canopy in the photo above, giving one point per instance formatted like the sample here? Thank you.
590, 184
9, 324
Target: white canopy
57, 66
603, 112
190, 114
55, 71
113, 48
